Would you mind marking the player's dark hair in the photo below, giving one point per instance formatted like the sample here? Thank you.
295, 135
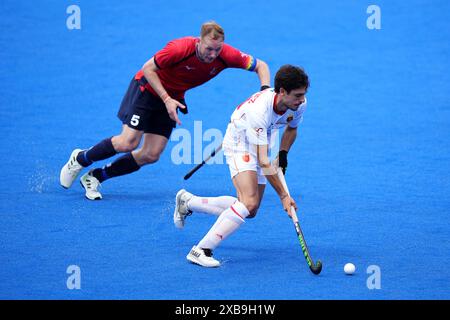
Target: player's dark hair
290, 77
213, 28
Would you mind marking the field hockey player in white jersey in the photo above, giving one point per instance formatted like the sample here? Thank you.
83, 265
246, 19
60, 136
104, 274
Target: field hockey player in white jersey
246, 147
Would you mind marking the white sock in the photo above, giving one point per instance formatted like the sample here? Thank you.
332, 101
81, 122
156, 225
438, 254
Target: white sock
227, 223
210, 205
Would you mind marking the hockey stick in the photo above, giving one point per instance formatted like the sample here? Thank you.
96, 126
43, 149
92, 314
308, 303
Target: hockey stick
314, 267
213, 153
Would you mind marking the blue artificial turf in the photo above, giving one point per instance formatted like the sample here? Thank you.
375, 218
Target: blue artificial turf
370, 168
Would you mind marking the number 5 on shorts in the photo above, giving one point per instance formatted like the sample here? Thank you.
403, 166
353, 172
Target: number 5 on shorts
135, 120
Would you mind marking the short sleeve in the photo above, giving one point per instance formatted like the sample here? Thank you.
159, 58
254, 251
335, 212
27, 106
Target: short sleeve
296, 121
174, 52
298, 117
234, 58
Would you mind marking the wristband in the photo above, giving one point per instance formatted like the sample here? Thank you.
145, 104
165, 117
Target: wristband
264, 87
165, 97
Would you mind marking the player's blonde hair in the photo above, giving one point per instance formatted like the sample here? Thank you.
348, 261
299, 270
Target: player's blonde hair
213, 28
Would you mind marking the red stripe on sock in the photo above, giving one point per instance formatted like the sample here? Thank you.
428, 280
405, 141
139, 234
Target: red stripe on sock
236, 212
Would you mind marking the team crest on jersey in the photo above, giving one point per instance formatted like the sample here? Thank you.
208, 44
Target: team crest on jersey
246, 157
290, 118
213, 71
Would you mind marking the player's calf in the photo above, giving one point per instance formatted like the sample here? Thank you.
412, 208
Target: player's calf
227, 223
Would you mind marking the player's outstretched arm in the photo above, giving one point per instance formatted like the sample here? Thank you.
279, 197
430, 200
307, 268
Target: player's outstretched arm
262, 69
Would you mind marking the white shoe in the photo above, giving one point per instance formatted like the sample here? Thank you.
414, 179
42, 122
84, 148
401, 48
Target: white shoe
181, 209
71, 170
91, 184
202, 257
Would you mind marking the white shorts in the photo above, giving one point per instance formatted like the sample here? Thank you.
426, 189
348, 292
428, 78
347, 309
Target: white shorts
240, 162
240, 154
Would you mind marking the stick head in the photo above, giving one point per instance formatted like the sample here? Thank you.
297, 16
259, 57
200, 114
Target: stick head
316, 268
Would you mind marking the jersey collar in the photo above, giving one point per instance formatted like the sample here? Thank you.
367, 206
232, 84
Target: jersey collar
275, 100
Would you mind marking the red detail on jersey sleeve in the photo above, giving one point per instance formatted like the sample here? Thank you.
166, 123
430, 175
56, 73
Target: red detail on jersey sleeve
252, 99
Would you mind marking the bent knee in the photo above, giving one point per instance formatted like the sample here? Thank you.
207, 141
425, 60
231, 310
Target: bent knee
252, 207
125, 144
148, 157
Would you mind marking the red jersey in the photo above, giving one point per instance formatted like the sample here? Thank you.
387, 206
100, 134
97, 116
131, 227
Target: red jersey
181, 70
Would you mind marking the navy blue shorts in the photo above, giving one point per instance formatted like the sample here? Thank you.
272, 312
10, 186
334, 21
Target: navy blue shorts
143, 111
